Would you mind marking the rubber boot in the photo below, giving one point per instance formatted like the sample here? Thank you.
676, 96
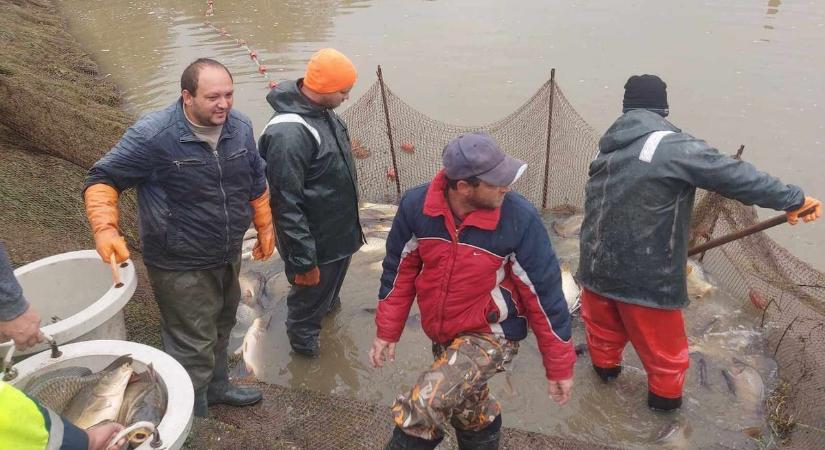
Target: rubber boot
659, 403
486, 438
221, 391
403, 441
607, 374
201, 407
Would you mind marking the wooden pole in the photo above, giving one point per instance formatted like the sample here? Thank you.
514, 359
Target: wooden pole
115, 272
764, 225
549, 133
389, 133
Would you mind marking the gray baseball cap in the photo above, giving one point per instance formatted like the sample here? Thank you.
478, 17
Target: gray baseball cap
478, 155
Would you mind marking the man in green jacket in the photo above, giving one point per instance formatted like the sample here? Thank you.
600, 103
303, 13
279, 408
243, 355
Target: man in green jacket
634, 238
314, 200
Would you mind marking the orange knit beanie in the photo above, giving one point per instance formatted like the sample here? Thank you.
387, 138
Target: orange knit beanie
329, 71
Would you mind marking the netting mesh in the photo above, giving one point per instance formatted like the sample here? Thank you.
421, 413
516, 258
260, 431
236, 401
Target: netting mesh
756, 266
59, 115
792, 296
557, 168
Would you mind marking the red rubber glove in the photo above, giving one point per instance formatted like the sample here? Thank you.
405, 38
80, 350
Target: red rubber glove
262, 218
101, 210
810, 202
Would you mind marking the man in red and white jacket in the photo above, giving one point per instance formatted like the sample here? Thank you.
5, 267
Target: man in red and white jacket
478, 259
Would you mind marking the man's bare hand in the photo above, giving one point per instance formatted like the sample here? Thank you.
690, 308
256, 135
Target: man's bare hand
24, 330
560, 390
101, 435
381, 351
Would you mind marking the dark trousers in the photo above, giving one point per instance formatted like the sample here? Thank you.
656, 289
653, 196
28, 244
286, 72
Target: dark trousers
197, 313
307, 306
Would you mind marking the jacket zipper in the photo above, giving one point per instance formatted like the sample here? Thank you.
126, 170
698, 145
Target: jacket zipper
453, 253
225, 211
186, 162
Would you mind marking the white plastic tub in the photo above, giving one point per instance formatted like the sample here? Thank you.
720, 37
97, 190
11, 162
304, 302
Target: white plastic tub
96, 355
76, 298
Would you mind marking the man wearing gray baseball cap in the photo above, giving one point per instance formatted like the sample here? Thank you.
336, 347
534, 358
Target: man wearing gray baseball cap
478, 260
478, 155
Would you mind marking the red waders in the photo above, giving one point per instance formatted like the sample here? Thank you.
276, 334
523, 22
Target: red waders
658, 335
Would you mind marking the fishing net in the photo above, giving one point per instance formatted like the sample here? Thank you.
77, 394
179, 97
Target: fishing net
59, 116
790, 296
302, 419
397, 147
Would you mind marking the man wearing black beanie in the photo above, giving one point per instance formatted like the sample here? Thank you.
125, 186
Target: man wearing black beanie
638, 203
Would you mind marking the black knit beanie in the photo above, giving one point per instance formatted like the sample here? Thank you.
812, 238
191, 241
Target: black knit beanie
646, 92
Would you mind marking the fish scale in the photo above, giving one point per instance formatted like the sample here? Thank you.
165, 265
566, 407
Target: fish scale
143, 400
57, 392
96, 402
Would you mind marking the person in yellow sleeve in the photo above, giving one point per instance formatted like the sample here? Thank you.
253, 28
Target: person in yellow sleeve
200, 182
24, 424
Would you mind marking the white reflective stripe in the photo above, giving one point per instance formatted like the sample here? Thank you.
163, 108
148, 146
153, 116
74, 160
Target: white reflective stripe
55, 431
522, 275
650, 145
294, 118
497, 330
498, 297
409, 247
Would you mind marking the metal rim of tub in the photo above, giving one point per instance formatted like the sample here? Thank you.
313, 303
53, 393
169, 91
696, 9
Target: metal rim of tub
93, 315
176, 423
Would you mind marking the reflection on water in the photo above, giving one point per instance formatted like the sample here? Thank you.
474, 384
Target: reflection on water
773, 9
727, 65
146, 45
728, 77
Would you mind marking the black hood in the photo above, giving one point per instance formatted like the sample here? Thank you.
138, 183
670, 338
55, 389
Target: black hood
287, 98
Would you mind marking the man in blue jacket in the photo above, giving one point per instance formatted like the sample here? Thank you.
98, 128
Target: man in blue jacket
639, 200
200, 182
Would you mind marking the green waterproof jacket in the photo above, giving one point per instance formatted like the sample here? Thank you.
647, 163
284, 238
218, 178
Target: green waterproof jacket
638, 204
312, 179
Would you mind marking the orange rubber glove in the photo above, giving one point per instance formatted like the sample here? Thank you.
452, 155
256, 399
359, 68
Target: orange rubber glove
101, 209
262, 218
311, 278
810, 202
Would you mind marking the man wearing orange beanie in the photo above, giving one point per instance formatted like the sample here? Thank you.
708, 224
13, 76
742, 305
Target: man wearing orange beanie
314, 191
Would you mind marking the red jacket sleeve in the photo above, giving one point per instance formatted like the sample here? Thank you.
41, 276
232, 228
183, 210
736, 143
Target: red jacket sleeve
402, 265
537, 277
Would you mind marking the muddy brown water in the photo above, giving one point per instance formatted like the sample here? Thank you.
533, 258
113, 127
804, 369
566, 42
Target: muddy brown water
721, 329
739, 72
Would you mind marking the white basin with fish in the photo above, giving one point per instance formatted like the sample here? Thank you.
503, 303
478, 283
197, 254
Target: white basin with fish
96, 355
76, 298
